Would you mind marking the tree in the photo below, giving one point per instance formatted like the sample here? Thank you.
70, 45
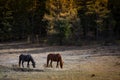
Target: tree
27, 18
63, 31
93, 14
114, 7
38, 25
6, 21
58, 11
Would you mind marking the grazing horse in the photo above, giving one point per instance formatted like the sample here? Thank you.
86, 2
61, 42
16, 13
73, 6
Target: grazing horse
26, 58
54, 57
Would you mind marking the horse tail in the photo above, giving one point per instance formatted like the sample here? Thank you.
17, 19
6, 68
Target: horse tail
20, 60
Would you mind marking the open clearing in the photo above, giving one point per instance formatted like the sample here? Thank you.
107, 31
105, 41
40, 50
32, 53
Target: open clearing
80, 62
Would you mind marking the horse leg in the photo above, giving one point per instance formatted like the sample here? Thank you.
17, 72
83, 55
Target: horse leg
19, 62
23, 64
51, 63
28, 64
57, 64
47, 62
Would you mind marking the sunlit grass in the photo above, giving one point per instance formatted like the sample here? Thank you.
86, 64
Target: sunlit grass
60, 75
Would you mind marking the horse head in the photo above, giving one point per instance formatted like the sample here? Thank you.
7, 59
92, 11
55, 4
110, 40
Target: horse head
33, 64
61, 63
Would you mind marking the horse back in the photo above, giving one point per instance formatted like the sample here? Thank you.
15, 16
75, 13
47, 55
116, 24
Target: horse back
54, 57
25, 57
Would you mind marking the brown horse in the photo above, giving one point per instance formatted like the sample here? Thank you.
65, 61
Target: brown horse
54, 57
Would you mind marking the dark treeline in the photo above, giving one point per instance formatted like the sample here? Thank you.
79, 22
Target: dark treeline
59, 21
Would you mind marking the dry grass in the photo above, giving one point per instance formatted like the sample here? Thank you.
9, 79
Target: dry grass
80, 63
99, 68
61, 75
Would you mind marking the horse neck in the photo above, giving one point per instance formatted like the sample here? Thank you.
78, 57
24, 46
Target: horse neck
32, 60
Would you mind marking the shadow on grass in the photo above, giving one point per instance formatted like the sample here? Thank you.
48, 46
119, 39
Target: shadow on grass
26, 70
9, 69
4, 78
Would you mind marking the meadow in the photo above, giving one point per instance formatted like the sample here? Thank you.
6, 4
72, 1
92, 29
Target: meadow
93, 62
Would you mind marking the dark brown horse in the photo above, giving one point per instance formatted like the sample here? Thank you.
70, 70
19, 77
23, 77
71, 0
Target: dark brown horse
54, 57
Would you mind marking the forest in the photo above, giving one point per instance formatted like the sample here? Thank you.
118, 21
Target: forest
84, 34
67, 22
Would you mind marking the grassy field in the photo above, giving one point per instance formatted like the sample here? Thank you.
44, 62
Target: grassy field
59, 75
80, 63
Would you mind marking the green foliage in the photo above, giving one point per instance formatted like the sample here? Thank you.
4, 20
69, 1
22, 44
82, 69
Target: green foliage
63, 29
62, 32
